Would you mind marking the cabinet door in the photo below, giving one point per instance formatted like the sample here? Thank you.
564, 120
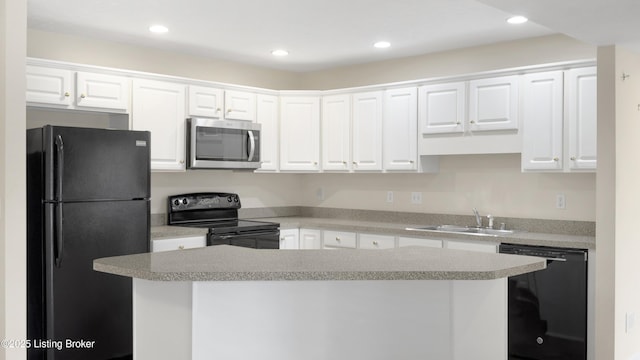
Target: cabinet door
367, 131
336, 132
310, 239
542, 121
289, 239
300, 133
441, 108
239, 105
182, 243
159, 107
582, 118
400, 129
205, 101
409, 241
493, 103
267, 117
339, 239
49, 86
102, 91
472, 246
374, 241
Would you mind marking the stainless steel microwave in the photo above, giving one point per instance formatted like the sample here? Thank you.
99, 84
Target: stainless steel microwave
222, 144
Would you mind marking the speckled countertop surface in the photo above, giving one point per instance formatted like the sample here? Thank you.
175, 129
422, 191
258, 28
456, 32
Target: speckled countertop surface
231, 263
398, 229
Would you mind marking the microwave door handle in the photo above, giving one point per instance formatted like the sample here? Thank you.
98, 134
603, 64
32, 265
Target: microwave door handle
252, 145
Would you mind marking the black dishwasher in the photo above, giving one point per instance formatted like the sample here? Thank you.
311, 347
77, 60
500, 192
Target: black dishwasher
548, 308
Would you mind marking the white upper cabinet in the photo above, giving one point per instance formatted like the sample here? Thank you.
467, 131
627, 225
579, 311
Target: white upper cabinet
205, 101
218, 103
239, 105
400, 129
160, 107
442, 108
367, 131
300, 133
336, 132
88, 91
49, 86
582, 118
493, 103
542, 121
560, 121
267, 117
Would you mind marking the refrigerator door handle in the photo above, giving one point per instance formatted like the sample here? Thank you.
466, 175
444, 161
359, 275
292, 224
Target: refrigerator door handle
252, 147
59, 235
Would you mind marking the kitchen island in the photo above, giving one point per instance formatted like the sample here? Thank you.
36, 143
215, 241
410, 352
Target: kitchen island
225, 302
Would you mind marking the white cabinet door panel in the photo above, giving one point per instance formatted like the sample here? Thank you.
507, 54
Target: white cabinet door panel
49, 86
472, 246
339, 239
400, 129
543, 121
160, 107
582, 118
102, 91
376, 241
367, 131
240, 105
181, 243
205, 101
300, 133
289, 239
267, 117
493, 104
409, 241
336, 132
442, 108
310, 239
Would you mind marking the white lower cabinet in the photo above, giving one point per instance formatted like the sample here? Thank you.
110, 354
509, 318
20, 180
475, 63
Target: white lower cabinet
180, 243
375, 241
409, 241
310, 239
471, 246
339, 239
289, 239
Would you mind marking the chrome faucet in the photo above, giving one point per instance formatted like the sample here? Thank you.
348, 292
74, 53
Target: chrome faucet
478, 218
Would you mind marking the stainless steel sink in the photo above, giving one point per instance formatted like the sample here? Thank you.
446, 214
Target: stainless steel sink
463, 229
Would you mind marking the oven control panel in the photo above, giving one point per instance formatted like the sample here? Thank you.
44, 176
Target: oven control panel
203, 201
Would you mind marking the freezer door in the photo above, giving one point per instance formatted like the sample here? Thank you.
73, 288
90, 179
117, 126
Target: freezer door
83, 304
95, 164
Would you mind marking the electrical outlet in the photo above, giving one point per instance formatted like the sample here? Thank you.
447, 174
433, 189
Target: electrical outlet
389, 196
416, 198
630, 322
561, 201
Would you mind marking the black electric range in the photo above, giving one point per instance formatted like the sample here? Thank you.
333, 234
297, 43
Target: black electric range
219, 213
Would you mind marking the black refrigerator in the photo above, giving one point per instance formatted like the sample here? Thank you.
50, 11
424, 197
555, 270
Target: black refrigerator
88, 193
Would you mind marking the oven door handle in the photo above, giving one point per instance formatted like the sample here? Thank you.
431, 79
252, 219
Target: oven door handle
252, 145
247, 234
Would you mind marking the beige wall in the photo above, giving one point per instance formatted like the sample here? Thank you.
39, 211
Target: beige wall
541, 50
13, 22
493, 184
84, 50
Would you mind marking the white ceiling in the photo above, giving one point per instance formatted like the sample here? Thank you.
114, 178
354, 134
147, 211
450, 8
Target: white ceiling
322, 34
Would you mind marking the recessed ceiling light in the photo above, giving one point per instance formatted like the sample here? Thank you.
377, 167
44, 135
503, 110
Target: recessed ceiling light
518, 19
158, 29
382, 44
279, 52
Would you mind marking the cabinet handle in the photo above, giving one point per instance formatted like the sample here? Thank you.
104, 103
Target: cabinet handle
82, 96
337, 239
229, 111
66, 94
315, 163
472, 122
181, 247
375, 243
457, 122
355, 163
410, 161
282, 238
344, 163
573, 158
181, 161
556, 159
218, 110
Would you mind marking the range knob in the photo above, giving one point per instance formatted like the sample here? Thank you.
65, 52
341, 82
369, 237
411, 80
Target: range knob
229, 199
185, 201
236, 199
176, 202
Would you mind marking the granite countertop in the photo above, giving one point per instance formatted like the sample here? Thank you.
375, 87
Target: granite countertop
398, 229
232, 263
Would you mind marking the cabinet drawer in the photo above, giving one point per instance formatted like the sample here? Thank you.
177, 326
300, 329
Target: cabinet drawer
178, 243
372, 241
409, 241
472, 246
338, 239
